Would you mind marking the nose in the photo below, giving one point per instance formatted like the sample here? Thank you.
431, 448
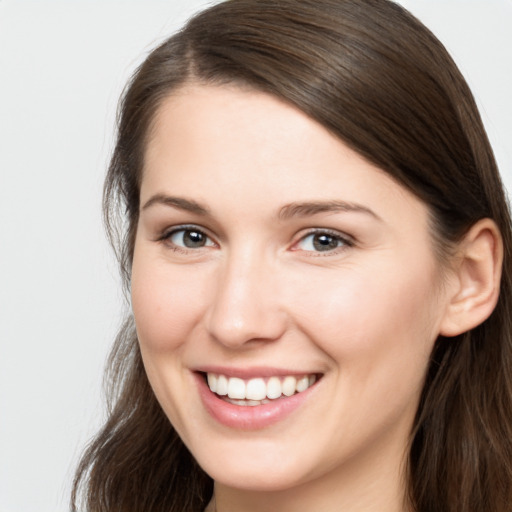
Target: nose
245, 308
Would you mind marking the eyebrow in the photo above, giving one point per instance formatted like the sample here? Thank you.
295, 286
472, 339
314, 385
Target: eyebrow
177, 202
312, 208
302, 209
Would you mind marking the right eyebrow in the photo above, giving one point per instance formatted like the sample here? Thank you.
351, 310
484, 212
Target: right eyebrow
177, 202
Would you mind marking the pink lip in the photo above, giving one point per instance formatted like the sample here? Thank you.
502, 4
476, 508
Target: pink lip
247, 417
250, 373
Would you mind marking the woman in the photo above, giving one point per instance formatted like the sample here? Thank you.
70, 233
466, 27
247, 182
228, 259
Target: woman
314, 250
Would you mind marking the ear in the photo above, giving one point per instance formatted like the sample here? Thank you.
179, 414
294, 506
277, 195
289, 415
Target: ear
475, 288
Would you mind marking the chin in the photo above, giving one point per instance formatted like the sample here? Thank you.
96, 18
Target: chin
249, 477
258, 465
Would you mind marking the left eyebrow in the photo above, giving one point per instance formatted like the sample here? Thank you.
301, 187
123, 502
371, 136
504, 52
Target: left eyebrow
181, 203
313, 207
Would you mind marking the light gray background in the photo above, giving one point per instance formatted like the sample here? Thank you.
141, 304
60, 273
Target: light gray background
62, 68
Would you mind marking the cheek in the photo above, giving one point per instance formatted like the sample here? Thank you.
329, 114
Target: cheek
378, 334
167, 303
387, 313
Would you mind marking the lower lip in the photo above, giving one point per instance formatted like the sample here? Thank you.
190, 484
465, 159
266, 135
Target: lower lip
249, 417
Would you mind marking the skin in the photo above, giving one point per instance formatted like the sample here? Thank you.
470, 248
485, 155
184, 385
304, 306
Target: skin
364, 314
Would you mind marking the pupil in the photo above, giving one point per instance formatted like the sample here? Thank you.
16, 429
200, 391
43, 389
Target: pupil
324, 242
193, 239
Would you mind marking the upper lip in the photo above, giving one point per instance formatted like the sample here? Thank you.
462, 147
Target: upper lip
252, 372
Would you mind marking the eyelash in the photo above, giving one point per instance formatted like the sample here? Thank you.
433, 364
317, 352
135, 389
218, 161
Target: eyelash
343, 240
166, 238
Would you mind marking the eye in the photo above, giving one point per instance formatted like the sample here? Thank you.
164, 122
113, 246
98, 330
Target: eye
322, 241
188, 238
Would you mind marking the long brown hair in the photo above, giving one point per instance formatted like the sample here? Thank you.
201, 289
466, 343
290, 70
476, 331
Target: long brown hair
379, 80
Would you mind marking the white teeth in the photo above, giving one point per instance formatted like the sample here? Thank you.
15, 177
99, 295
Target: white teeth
212, 382
256, 391
222, 386
289, 385
303, 384
250, 403
236, 388
274, 388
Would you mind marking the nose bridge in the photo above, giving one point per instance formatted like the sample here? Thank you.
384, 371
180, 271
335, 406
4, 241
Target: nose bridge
245, 304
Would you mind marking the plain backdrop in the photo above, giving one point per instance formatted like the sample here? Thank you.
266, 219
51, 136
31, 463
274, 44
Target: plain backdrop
62, 68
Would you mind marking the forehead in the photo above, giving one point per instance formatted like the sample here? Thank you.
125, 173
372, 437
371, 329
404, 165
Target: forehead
223, 144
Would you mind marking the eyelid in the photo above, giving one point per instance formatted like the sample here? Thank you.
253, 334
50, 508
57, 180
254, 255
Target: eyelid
347, 240
166, 234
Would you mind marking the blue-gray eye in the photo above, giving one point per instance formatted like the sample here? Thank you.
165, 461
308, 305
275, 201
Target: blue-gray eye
321, 242
190, 239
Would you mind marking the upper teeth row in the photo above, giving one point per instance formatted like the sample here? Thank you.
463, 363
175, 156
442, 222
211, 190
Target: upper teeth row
258, 389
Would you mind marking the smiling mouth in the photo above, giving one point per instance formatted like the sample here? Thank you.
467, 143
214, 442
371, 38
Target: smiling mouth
257, 391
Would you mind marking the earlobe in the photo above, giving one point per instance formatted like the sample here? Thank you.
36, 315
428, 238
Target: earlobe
476, 283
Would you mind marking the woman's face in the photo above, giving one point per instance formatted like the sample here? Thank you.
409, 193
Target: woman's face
299, 277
